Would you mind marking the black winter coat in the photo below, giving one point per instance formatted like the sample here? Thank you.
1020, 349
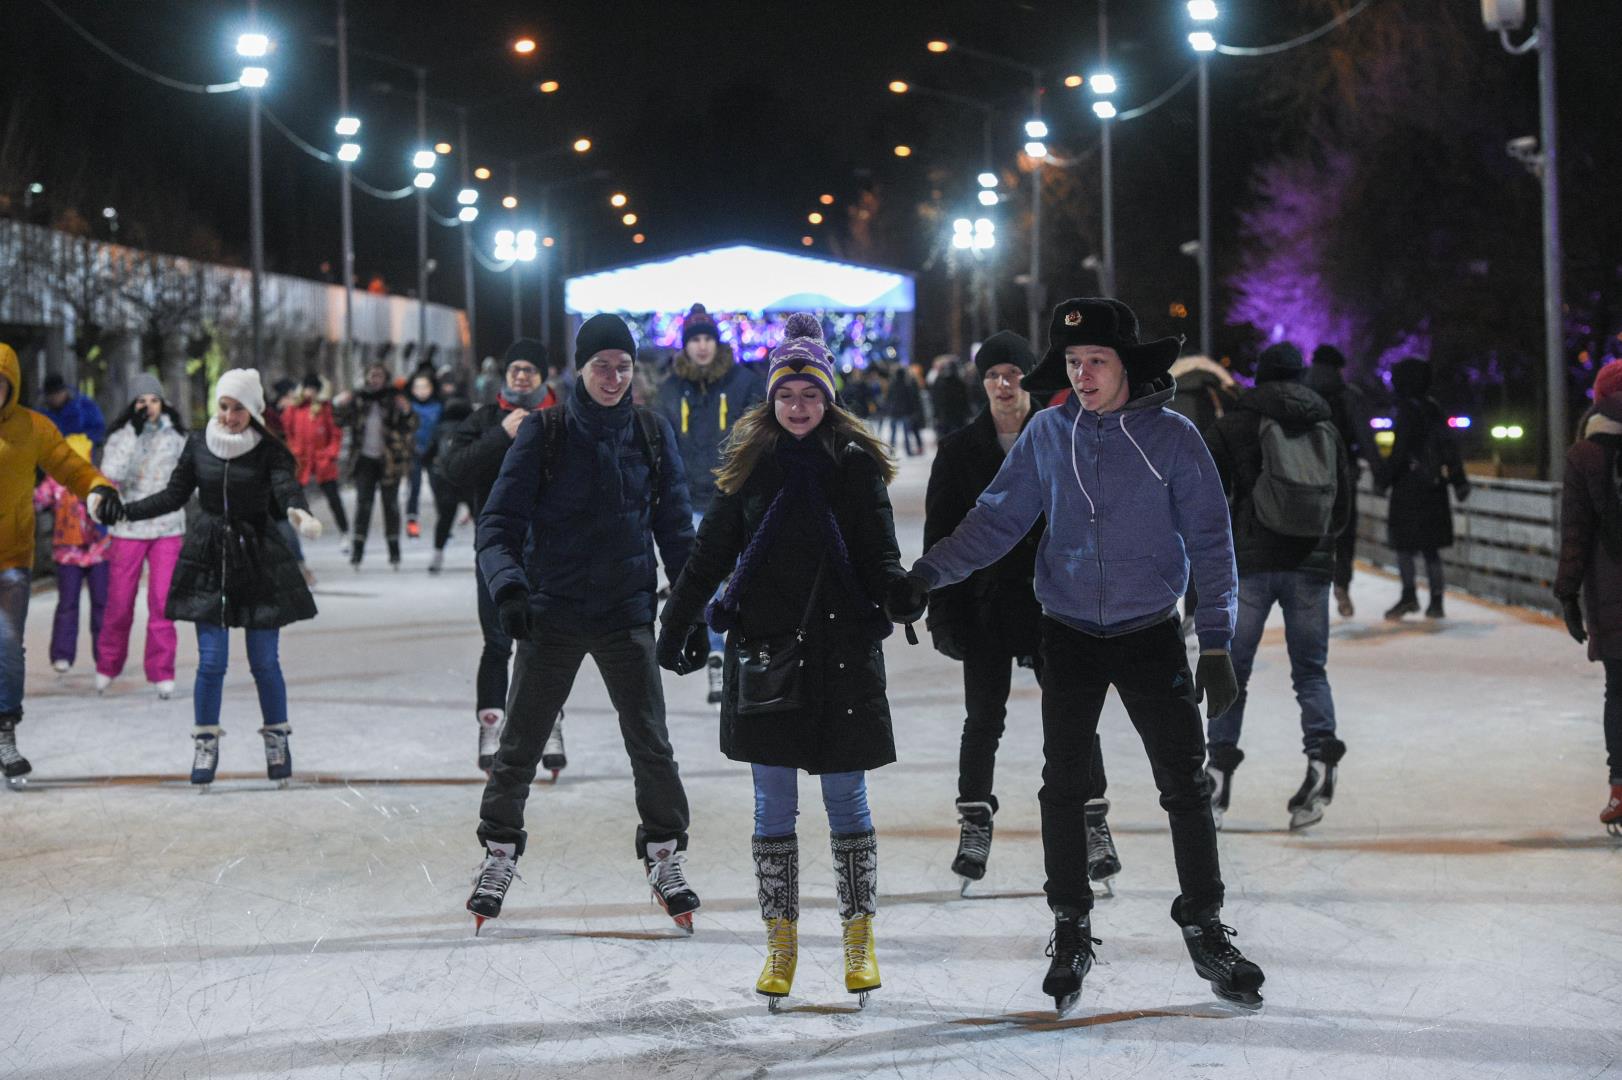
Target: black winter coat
582, 546
703, 413
469, 456
846, 727
234, 569
1424, 461
1236, 447
994, 609
1591, 533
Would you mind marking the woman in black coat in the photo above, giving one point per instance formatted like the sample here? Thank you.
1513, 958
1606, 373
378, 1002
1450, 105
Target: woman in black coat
235, 568
803, 524
1424, 462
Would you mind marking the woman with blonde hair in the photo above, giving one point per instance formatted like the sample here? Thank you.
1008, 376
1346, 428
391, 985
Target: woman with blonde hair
803, 525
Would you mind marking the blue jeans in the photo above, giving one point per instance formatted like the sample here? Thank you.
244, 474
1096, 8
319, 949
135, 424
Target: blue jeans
213, 653
15, 586
718, 641
1304, 599
777, 800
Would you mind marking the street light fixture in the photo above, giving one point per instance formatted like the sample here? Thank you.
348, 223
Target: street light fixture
254, 78
1204, 44
903, 151
1104, 110
806, 241
423, 181
582, 145
424, 159
617, 200
985, 234
467, 196
481, 173
550, 86
1202, 10
1202, 41
962, 234
988, 198
638, 238
442, 148
468, 214
524, 46
814, 218
1036, 129
825, 200
938, 46
628, 219
252, 46
1102, 83
1073, 81
347, 126
509, 202
898, 87
349, 152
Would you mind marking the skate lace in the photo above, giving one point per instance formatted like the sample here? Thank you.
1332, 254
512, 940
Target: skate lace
489, 738
9, 754
495, 875
1218, 949
275, 749
207, 753
668, 877
1067, 942
974, 840
780, 940
856, 942
1099, 841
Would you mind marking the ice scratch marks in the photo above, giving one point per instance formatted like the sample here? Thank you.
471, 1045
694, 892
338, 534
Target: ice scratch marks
227, 868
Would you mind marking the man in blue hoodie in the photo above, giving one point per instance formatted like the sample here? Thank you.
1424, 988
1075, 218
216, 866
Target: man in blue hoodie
1132, 501
72, 412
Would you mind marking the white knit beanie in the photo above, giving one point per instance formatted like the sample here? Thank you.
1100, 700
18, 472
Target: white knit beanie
243, 385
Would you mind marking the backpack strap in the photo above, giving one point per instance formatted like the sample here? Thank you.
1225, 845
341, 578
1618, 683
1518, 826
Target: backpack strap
552, 431
653, 446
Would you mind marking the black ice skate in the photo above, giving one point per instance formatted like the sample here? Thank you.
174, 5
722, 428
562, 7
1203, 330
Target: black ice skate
1318, 789
552, 754
12, 763
973, 843
1220, 768
491, 882
1435, 610
668, 881
278, 755
1231, 976
205, 756
489, 737
1408, 604
1103, 863
1071, 948
716, 668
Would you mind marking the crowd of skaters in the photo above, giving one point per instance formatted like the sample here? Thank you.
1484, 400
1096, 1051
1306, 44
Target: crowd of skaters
1062, 539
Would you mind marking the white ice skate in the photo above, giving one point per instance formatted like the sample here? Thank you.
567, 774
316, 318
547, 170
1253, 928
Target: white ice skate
102, 683
490, 724
553, 756
165, 689
15, 767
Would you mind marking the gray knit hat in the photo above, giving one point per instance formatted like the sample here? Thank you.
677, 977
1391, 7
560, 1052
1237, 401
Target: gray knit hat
145, 383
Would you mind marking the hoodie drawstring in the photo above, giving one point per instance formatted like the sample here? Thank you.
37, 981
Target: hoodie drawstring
1077, 468
1141, 454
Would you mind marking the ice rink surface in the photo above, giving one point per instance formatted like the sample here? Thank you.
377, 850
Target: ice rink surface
1454, 915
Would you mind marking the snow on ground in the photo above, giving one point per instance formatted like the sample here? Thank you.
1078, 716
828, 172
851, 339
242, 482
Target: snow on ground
1453, 916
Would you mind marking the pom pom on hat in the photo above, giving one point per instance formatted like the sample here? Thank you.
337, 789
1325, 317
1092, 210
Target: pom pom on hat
698, 322
802, 355
1609, 380
803, 324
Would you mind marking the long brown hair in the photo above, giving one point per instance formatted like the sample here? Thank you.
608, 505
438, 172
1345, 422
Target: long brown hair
758, 431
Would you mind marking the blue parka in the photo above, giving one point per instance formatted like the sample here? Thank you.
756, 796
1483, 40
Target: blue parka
582, 547
702, 406
1132, 501
79, 415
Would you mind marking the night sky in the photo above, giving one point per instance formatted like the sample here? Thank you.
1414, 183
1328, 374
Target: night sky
720, 120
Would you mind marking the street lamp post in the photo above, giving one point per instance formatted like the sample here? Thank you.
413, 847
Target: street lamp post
422, 221
346, 196
468, 299
1204, 43
254, 46
1103, 84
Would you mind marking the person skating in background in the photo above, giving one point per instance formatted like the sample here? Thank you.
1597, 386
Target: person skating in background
447, 496
948, 396
469, 459
235, 569
991, 621
1424, 463
382, 432
31, 442
143, 448
1132, 499
1206, 391
1351, 419
904, 404
429, 407
1289, 484
707, 393
314, 437
73, 413
284, 398
566, 541
803, 515
1588, 583
79, 550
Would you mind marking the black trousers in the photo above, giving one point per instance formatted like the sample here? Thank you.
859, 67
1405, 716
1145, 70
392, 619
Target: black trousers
368, 478
987, 679
542, 678
1346, 546
1613, 718
335, 503
446, 500
1149, 669
490, 685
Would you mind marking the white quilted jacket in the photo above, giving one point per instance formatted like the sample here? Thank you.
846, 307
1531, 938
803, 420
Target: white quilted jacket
140, 465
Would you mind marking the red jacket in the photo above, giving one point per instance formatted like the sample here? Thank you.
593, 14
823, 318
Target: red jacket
314, 437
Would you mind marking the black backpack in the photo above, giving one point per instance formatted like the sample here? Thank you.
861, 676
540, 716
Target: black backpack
552, 421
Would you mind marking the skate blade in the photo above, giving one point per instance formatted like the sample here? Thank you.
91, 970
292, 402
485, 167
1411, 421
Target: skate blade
202, 789
1248, 1000
774, 1002
685, 921
1304, 819
17, 783
862, 996
478, 924
1107, 887
1615, 829
963, 887
1064, 1005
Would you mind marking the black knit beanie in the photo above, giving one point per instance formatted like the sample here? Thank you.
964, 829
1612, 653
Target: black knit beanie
602, 332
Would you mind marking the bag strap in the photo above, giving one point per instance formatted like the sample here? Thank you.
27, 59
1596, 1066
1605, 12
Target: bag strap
811, 601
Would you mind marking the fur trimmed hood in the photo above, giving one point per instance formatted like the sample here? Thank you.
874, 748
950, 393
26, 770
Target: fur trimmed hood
714, 371
1187, 365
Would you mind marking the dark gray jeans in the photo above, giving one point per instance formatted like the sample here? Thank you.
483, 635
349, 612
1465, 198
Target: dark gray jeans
543, 674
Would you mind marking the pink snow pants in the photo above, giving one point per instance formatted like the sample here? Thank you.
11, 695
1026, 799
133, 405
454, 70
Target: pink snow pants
125, 559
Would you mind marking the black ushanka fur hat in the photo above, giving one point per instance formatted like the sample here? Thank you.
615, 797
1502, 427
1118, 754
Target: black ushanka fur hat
1104, 322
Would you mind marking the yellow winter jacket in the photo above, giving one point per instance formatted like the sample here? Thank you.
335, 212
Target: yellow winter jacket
29, 441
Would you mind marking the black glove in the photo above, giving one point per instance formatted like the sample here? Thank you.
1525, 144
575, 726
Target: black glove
906, 599
512, 612
1215, 684
948, 640
1572, 609
111, 508
683, 650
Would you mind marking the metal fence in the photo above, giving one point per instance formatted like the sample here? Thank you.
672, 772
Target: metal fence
1506, 539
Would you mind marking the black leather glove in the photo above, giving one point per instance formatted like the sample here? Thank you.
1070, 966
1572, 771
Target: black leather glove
110, 508
683, 649
906, 599
1216, 684
1572, 609
948, 640
512, 612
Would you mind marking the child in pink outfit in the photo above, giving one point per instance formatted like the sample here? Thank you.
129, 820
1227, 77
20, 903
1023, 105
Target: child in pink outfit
143, 447
79, 549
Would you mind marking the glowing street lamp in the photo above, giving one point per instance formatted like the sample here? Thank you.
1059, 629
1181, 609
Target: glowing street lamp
254, 47
903, 151
1104, 110
424, 159
349, 153
985, 234
628, 219
1203, 42
617, 200
825, 200
638, 238
423, 181
347, 126
442, 148
481, 173
467, 196
550, 86
962, 234
988, 198
509, 202
524, 46
1202, 10
938, 46
898, 87
814, 218
1073, 81
582, 145
468, 214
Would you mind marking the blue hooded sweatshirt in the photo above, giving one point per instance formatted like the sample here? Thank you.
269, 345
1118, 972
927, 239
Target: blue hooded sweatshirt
1132, 500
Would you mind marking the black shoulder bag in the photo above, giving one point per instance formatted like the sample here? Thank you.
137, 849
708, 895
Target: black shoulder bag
770, 671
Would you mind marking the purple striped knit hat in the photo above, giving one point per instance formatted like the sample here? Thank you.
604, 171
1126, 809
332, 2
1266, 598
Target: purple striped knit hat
802, 355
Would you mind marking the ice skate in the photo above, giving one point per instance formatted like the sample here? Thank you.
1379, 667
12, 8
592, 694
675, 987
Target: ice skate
1610, 817
716, 669
777, 881
1216, 960
61, 667
12, 763
394, 553
1220, 768
491, 882
1408, 605
1343, 602
278, 755
489, 737
668, 881
102, 683
165, 689
1435, 609
357, 552
856, 879
553, 756
1103, 862
205, 756
437, 563
1318, 789
1071, 947
973, 843
414, 529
